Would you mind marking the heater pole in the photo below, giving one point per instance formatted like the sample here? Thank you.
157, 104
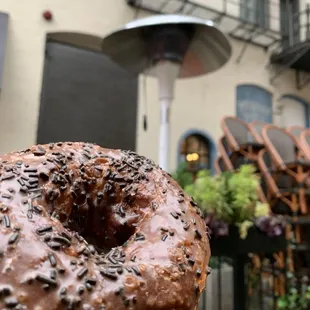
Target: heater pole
164, 135
167, 72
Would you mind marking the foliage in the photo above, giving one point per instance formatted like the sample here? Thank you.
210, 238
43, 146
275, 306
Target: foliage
295, 300
182, 176
231, 198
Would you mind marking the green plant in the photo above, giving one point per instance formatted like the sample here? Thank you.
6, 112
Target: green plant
228, 195
182, 176
231, 198
295, 300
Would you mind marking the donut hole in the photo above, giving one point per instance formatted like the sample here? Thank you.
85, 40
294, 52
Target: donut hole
103, 227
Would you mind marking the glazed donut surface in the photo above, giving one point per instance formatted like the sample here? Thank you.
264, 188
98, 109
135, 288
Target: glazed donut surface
83, 227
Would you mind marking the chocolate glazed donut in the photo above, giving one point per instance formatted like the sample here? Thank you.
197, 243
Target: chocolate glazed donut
83, 227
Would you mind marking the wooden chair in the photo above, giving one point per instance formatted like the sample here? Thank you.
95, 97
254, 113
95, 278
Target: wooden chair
282, 200
219, 165
305, 143
284, 150
225, 153
296, 131
256, 130
223, 163
240, 139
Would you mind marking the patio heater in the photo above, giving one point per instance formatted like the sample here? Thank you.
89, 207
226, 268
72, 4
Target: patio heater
168, 47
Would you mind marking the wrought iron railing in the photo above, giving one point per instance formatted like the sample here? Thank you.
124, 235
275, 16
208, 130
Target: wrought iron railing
267, 23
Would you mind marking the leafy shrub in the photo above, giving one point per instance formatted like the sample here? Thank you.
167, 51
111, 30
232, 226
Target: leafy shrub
232, 198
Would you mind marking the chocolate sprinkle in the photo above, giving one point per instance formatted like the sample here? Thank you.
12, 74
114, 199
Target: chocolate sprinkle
197, 289
154, 206
108, 274
82, 273
52, 259
11, 302
198, 234
46, 280
7, 177
139, 237
44, 229
186, 226
174, 215
191, 261
198, 273
13, 239
54, 245
136, 270
164, 237
62, 240
7, 221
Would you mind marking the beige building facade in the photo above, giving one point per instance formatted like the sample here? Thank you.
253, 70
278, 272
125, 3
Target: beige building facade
200, 103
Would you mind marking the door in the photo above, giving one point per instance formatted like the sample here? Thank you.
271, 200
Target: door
289, 23
86, 97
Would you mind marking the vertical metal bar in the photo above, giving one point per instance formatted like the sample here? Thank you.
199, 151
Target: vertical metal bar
307, 234
274, 299
219, 282
290, 26
285, 267
257, 10
260, 293
246, 44
225, 6
240, 290
208, 300
308, 20
296, 262
4, 22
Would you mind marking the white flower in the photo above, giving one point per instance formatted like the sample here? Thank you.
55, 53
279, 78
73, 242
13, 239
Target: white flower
262, 209
244, 227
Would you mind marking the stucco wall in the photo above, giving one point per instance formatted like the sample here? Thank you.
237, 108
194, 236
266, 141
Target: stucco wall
200, 103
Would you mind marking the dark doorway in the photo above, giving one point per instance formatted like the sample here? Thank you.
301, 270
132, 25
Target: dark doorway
86, 97
290, 22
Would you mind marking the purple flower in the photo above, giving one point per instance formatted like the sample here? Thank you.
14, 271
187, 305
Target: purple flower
271, 225
217, 228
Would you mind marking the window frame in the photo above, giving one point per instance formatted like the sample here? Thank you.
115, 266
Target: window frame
257, 13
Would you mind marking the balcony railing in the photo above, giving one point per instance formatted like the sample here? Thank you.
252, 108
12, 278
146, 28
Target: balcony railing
258, 24
278, 26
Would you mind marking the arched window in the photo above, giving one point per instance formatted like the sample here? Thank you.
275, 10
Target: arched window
294, 111
253, 103
195, 151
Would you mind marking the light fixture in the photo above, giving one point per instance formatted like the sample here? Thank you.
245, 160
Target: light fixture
192, 157
168, 47
189, 157
195, 156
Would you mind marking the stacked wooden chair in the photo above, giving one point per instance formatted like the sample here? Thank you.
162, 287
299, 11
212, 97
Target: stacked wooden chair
282, 159
241, 142
295, 131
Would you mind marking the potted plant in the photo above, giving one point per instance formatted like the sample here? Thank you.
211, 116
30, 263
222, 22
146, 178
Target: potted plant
238, 221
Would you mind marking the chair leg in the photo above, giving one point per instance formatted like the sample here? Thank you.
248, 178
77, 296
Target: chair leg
302, 200
289, 250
